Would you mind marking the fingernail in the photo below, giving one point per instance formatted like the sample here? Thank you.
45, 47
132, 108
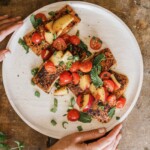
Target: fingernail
18, 17
19, 22
102, 130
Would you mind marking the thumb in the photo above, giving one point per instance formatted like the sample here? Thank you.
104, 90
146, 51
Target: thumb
90, 135
3, 54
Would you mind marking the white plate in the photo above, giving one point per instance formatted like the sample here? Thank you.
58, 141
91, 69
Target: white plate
36, 111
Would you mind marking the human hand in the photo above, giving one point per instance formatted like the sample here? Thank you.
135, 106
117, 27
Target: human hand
7, 26
76, 141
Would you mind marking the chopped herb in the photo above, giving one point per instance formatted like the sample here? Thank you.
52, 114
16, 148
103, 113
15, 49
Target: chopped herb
68, 65
24, 45
34, 71
63, 124
85, 118
98, 59
78, 33
53, 122
89, 36
67, 11
57, 84
35, 22
37, 93
65, 115
117, 118
54, 36
72, 103
52, 13
79, 128
19, 144
74, 58
111, 112
32, 82
2, 137
102, 108
54, 109
54, 53
80, 73
70, 47
61, 63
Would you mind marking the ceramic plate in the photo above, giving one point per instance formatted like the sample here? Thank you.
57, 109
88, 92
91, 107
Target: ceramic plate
17, 70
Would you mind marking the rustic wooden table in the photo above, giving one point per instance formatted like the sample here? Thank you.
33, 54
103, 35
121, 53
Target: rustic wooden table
136, 132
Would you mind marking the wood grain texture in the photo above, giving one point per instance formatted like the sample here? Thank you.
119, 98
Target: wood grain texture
136, 14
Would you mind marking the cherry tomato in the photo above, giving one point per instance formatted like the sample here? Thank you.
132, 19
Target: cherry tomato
121, 102
41, 16
49, 66
109, 85
76, 78
36, 38
65, 78
59, 44
66, 37
105, 75
86, 66
73, 115
74, 40
116, 87
45, 54
75, 66
106, 93
111, 100
79, 100
95, 43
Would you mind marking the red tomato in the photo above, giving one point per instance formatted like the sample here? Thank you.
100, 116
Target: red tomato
116, 87
105, 75
65, 78
76, 78
109, 85
79, 100
106, 93
121, 102
74, 40
86, 66
59, 44
95, 43
41, 16
36, 38
75, 66
73, 115
111, 100
66, 38
45, 54
49, 66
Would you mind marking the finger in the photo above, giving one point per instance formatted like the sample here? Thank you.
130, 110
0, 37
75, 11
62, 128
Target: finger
4, 21
103, 142
3, 54
117, 141
90, 135
3, 17
4, 26
9, 30
110, 146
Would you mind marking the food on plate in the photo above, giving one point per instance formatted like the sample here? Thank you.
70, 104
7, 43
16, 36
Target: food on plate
95, 43
61, 91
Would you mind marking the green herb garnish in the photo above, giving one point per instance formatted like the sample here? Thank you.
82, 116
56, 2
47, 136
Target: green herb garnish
69, 47
35, 22
117, 118
61, 63
102, 108
34, 71
74, 58
111, 112
72, 103
37, 93
85, 118
67, 11
24, 45
63, 124
98, 59
54, 109
64, 114
57, 84
20, 145
54, 36
79, 128
68, 65
53, 122
77, 33
52, 13
32, 82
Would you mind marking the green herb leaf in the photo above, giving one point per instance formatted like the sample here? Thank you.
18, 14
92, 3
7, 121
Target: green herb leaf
117, 118
85, 118
53, 122
32, 82
102, 108
54, 109
98, 59
63, 124
34, 71
54, 36
70, 47
4, 146
79, 128
24, 45
57, 84
67, 11
72, 102
52, 13
61, 63
111, 112
20, 145
2, 137
35, 22
37, 93
77, 33
68, 65
64, 114
74, 58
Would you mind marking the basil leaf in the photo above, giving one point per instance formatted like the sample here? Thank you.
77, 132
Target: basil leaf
61, 63
57, 84
63, 124
37, 93
54, 109
32, 82
72, 102
98, 59
2, 137
79, 128
52, 13
74, 58
24, 45
34, 71
68, 65
20, 145
111, 112
54, 36
53, 122
85, 118
35, 22
117, 118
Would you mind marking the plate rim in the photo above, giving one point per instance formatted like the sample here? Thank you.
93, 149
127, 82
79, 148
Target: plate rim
140, 76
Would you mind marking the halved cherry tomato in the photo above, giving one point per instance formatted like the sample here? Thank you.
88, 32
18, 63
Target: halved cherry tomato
76, 78
106, 93
36, 38
41, 16
75, 66
86, 66
79, 100
74, 40
59, 44
49, 66
45, 54
73, 115
109, 85
111, 100
105, 75
95, 43
116, 87
66, 38
121, 102
65, 78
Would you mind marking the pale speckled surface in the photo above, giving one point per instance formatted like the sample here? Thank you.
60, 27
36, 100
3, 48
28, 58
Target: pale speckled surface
136, 132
